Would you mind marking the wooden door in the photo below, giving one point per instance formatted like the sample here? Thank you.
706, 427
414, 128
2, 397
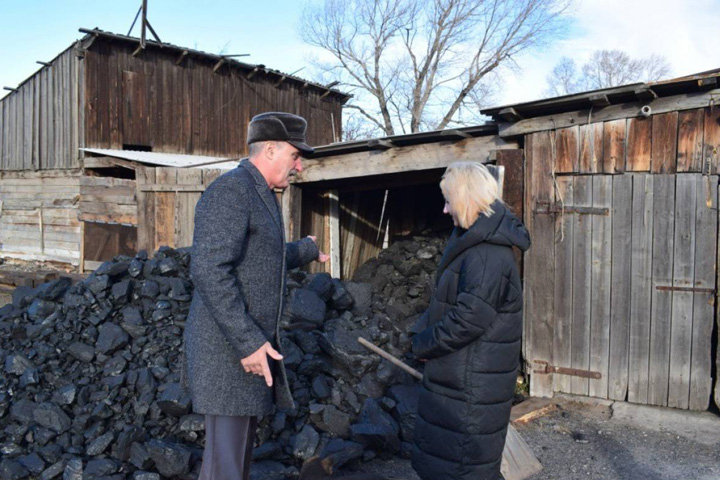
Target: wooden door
632, 288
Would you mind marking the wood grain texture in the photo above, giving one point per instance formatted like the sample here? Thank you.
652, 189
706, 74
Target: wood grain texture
706, 224
564, 234
662, 275
600, 267
690, 140
539, 304
682, 302
664, 143
582, 284
639, 144
621, 285
614, 134
641, 288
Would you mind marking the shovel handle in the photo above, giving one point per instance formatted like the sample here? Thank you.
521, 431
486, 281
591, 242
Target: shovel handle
392, 359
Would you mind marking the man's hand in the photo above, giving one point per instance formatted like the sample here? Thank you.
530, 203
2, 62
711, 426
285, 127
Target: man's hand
257, 362
322, 257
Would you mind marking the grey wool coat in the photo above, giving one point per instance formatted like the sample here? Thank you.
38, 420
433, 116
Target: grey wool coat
239, 263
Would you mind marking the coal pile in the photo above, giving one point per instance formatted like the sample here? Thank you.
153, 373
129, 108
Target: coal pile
92, 371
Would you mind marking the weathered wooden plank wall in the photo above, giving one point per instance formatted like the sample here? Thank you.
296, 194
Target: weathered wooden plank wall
151, 101
39, 215
631, 288
166, 200
39, 123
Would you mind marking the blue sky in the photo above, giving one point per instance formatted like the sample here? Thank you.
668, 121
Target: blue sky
33, 30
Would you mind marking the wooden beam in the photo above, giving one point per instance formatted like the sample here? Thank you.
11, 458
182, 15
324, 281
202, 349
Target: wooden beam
279, 82
455, 134
218, 65
152, 30
599, 100
182, 57
138, 50
509, 114
380, 144
328, 92
334, 220
45, 64
253, 72
685, 101
645, 94
708, 82
172, 188
108, 162
10, 89
401, 159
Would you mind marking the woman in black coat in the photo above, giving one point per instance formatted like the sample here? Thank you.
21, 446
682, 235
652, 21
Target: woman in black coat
470, 335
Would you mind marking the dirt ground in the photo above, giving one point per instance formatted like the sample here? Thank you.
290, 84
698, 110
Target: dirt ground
607, 441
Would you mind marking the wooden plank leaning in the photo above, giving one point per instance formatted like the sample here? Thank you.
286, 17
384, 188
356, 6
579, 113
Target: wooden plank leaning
518, 461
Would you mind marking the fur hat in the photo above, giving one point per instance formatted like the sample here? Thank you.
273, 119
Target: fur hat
279, 126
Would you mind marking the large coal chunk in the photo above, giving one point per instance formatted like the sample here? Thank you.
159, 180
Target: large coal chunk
406, 406
322, 284
306, 306
17, 364
305, 443
341, 297
40, 309
171, 459
330, 419
341, 452
52, 291
81, 351
110, 338
174, 400
376, 428
51, 416
12, 470
362, 296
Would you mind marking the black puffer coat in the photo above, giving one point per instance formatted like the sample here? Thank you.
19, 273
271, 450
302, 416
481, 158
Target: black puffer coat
470, 336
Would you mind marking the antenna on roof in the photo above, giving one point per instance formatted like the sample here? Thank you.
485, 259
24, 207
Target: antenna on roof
143, 25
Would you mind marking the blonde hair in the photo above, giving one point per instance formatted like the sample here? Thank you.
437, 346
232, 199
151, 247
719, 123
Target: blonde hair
470, 189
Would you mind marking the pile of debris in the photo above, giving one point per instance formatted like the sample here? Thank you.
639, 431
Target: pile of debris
92, 371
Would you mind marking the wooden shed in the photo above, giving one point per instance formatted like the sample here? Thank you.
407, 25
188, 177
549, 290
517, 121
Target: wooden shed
354, 196
61, 203
621, 200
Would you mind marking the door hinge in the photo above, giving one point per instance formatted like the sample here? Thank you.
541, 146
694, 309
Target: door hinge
545, 368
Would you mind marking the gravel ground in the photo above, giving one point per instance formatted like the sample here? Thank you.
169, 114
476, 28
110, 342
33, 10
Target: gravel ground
583, 441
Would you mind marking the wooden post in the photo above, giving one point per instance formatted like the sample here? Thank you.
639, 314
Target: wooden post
291, 205
334, 219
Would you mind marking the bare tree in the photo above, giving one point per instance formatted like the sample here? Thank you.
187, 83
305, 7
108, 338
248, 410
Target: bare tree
563, 79
414, 64
606, 68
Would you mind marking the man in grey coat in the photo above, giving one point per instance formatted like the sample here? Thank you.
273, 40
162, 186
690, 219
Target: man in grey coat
239, 262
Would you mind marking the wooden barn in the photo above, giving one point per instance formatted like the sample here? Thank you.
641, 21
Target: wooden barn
619, 188
105, 149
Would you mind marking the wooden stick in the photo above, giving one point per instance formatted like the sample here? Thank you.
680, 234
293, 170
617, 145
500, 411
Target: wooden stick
390, 358
518, 460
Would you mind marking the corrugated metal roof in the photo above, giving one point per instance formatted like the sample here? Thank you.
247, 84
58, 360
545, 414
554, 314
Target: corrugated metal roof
176, 160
